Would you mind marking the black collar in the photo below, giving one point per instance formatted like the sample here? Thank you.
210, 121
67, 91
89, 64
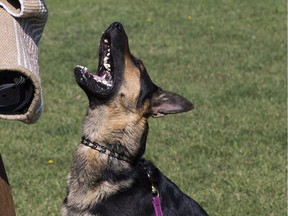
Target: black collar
124, 155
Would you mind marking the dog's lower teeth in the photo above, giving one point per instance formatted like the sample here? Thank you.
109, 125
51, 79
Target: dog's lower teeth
82, 67
107, 83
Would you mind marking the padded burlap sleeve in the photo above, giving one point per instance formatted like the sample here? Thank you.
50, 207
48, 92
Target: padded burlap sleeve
21, 26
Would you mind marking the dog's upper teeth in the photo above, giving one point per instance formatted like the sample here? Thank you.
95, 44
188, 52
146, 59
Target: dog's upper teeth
108, 52
106, 58
106, 41
107, 66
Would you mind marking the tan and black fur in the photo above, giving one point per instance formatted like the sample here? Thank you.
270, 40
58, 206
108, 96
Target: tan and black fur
121, 99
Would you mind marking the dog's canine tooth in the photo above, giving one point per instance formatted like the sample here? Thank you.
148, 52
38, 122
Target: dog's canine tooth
104, 76
106, 41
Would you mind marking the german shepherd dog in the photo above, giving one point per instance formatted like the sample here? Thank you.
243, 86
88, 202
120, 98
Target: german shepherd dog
108, 176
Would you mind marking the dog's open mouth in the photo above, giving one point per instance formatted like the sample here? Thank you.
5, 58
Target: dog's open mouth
102, 81
112, 50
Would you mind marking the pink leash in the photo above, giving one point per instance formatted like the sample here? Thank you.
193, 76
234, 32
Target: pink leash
157, 205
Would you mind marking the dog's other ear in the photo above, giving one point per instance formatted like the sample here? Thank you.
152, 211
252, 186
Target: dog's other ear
164, 103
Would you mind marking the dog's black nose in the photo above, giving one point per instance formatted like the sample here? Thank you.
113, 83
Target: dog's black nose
117, 25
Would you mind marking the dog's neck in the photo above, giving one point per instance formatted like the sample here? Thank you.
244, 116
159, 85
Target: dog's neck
118, 132
96, 171
116, 151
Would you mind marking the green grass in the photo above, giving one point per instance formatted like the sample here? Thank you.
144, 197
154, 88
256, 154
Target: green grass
229, 57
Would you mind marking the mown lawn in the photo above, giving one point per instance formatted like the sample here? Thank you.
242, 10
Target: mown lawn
228, 57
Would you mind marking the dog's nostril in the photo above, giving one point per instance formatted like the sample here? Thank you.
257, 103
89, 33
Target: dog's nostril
118, 26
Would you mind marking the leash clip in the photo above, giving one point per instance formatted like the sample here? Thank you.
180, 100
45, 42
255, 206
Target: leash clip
155, 192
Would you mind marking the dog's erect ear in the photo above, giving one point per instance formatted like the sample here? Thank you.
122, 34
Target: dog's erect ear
164, 103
